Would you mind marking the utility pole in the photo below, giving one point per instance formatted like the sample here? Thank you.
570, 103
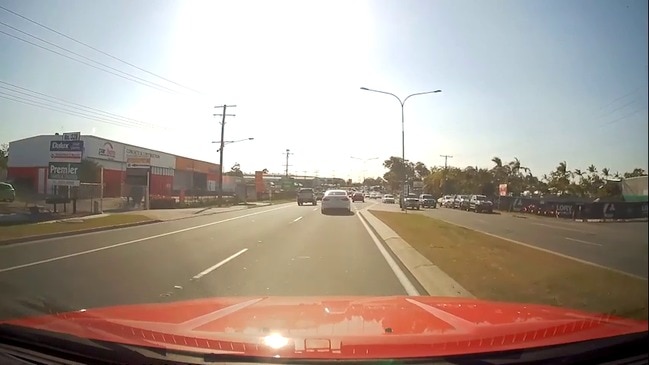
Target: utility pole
223, 115
288, 153
446, 157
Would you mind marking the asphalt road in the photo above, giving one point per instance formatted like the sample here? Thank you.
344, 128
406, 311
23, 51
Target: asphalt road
277, 250
620, 246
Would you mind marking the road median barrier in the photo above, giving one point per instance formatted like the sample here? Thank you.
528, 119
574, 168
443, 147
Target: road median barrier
493, 268
435, 281
44, 230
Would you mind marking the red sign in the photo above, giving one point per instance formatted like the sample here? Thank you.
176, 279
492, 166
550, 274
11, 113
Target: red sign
260, 187
502, 189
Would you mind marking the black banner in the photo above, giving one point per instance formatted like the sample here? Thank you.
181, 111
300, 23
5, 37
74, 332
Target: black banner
573, 210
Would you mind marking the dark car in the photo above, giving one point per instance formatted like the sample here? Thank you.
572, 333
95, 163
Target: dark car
306, 195
7, 192
358, 197
427, 200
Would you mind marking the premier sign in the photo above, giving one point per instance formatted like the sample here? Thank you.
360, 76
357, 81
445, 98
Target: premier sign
63, 173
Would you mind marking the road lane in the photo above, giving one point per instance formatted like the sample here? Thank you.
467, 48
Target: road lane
619, 246
24, 253
274, 253
318, 255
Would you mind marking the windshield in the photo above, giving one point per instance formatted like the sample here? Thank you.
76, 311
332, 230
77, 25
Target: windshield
294, 180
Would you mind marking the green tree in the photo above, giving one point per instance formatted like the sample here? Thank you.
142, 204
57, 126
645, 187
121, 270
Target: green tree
4, 155
235, 170
89, 171
635, 173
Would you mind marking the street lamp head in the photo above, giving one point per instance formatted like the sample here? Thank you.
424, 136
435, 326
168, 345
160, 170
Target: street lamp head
364, 88
251, 138
437, 91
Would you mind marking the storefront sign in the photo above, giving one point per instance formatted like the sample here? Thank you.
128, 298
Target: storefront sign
63, 173
107, 151
138, 162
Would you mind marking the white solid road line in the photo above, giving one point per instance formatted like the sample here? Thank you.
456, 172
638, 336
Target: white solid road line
401, 276
212, 268
557, 227
135, 241
582, 241
296, 219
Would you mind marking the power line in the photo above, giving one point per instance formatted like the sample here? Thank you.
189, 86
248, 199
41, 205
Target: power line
625, 116
148, 83
74, 105
97, 50
55, 108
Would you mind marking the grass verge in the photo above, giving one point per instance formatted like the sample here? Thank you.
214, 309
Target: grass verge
496, 269
39, 229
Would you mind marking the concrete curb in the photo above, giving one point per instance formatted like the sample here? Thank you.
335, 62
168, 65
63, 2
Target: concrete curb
76, 232
430, 277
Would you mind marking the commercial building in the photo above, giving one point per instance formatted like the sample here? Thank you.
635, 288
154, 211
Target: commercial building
169, 174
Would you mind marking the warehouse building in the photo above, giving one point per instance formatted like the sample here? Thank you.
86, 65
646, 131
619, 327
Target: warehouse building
169, 174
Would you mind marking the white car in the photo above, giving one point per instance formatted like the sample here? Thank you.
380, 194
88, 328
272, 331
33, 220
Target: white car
335, 200
388, 198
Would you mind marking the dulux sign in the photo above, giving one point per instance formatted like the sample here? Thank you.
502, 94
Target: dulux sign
67, 146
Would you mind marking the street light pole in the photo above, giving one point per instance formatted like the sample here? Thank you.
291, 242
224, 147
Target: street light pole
220, 151
403, 133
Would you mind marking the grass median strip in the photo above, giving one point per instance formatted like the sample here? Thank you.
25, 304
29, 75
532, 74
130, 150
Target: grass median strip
496, 269
39, 229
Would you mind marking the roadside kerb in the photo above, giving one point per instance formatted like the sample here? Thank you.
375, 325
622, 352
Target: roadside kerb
543, 249
430, 277
74, 232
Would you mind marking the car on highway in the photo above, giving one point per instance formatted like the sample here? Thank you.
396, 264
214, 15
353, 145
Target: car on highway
358, 197
388, 199
410, 201
7, 192
427, 200
319, 195
335, 200
306, 195
480, 203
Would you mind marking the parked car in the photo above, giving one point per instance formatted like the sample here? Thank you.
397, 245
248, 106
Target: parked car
427, 200
447, 201
480, 203
7, 192
358, 197
306, 195
388, 199
335, 200
461, 202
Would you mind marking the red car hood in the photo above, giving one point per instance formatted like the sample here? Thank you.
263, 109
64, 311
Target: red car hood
336, 327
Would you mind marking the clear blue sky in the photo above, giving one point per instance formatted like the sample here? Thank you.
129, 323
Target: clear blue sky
544, 81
